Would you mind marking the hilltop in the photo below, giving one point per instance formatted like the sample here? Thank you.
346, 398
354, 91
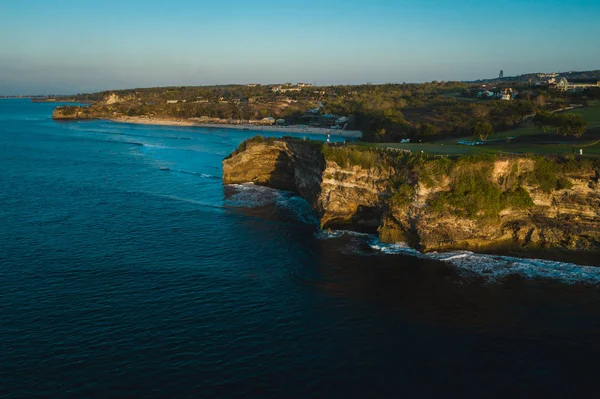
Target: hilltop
387, 113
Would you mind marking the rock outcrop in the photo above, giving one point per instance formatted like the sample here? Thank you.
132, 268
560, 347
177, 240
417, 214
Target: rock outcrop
436, 203
73, 112
285, 165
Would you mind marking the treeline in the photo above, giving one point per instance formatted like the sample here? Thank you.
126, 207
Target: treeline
226, 110
565, 124
390, 114
384, 113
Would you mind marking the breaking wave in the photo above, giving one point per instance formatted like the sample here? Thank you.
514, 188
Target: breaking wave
189, 172
249, 195
470, 265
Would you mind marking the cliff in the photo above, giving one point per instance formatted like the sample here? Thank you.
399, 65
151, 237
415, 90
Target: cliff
74, 112
476, 203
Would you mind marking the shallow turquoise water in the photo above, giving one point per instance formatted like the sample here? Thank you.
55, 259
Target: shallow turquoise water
128, 270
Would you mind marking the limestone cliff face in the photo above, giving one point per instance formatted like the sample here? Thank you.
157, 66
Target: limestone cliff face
284, 165
353, 197
567, 218
481, 204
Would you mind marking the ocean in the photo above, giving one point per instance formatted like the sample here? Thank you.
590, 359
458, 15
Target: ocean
127, 269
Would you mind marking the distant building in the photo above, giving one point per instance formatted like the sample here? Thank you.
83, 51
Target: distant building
254, 85
304, 84
172, 101
507, 94
284, 89
547, 75
564, 85
269, 120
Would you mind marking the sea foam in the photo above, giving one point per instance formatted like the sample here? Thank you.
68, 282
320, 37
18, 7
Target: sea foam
470, 265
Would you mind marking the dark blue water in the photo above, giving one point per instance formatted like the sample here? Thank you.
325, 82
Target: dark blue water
128, 270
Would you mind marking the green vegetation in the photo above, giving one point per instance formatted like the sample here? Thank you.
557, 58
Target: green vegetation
544, 175
527, 139
517, 199
472, 192
352, 156
548, 176
432, 171
244, 144
403, 195
565, 124
432, 115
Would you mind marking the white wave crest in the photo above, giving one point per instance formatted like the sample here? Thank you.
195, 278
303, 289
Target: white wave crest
249, 195
331, 234
189, 172
493, 268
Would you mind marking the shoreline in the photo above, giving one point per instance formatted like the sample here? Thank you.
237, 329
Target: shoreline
294, 129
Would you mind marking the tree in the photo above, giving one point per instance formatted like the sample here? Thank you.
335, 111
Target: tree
540, 100
565, 124
427, 130
570, 124
481, 112
544, 120
482, 130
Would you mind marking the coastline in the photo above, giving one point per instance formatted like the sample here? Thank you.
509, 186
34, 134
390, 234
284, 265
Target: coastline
294, 129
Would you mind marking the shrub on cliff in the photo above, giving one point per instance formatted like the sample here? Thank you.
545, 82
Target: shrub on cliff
403, 195
244, 144
345, 156
472, 192
562, 183
432, 170
546, 176
517, 199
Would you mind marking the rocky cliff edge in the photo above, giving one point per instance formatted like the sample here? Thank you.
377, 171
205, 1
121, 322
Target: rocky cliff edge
432, 203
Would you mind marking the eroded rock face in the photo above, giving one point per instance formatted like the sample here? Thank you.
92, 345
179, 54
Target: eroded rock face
366, 199
279, 164
352, 197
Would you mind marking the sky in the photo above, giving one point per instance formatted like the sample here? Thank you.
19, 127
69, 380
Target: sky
67, 47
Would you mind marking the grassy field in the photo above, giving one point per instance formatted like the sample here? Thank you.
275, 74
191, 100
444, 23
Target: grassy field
527, 139
590, 114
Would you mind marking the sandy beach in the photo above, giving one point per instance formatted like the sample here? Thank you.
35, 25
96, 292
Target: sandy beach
294, 129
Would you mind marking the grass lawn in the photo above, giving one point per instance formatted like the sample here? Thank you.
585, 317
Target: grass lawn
590, 114
590, 149
432, 148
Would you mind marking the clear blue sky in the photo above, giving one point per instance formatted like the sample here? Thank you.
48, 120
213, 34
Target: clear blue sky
65, 46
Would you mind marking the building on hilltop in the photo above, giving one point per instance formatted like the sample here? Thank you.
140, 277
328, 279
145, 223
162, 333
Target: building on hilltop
575, 86
305, 84
284, 89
